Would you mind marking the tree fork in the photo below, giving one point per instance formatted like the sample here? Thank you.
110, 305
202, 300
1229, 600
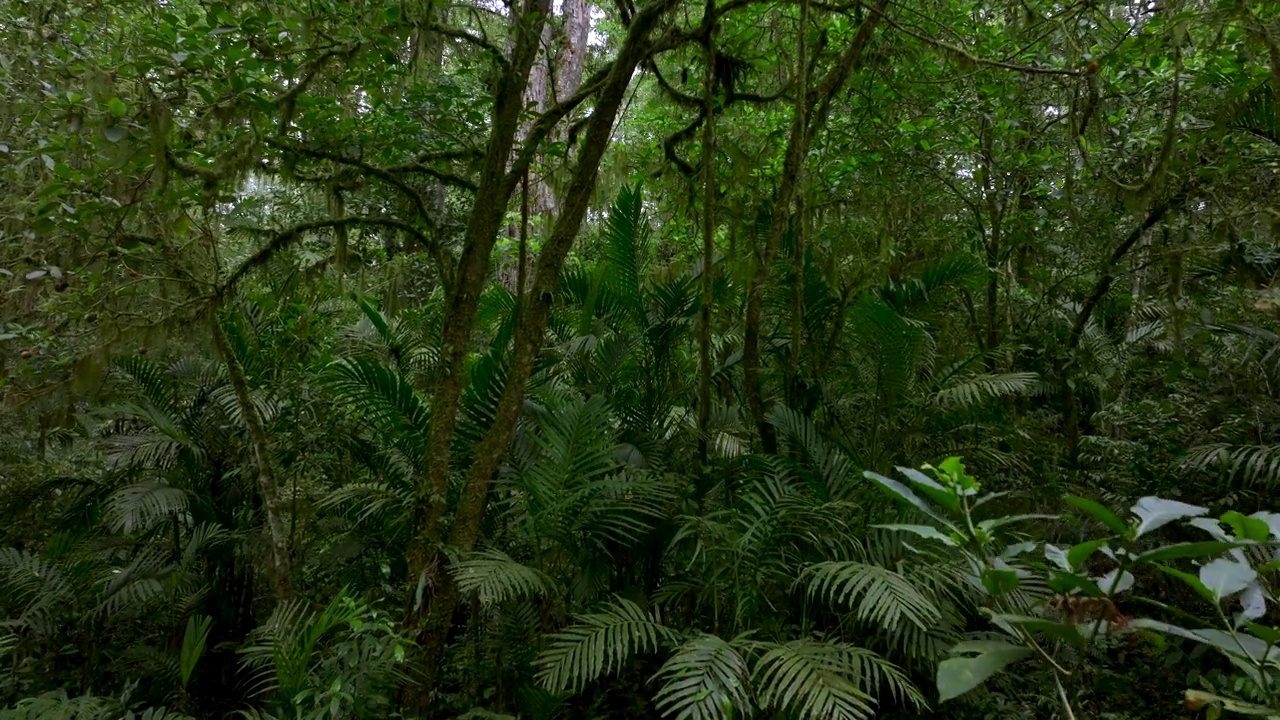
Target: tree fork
534, 313
492, 195
810, 113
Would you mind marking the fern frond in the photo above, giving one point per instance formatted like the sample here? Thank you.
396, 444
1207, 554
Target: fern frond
599, 643
878, 595
970, 391
706, 679
495, 578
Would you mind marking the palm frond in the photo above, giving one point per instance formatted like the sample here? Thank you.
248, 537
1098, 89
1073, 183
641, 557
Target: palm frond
706, 679
1244, 465
599, 643
878, 595
819, 680
969, 391
380, 396
281, 652
833, 466
495, 578
141, 505
626, 246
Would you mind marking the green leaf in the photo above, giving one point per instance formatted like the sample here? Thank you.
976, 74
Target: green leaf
1225, 578
115, 133
999, 522
1154, 513
1237, 645
1185, 550
957, 676
117, 107
1246, 528
1065, 583
193, 643
1065, 631
901, 492
1081, 552
956, 471
1190, 580
928, 532
945, 497
1099, 513
706, 679
999, 582
1268, 634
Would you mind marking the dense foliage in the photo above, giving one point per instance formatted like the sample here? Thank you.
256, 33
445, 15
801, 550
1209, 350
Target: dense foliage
398, 358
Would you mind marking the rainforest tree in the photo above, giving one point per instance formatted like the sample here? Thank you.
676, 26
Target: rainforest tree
552, 359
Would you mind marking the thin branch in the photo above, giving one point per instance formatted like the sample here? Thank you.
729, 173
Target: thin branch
284, 238
957, 50
473, 39
378, 172
542, 127
446, 178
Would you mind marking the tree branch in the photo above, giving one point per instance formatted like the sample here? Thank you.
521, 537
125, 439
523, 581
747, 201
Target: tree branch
284, 238
378, 172
970, 57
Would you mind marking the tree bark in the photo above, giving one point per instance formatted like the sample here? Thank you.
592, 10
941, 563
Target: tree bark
534, 312
810, 113
492, 195
708, 243
278, 573
1071, 404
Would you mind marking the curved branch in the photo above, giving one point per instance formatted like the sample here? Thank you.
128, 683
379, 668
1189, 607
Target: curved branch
378, 172
473, 39
547, 121
284, 238
970, 57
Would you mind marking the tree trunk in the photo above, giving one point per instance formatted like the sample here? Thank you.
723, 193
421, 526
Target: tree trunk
1071, 409
708, 244
278, 572
492, 194
534, 313
810, 113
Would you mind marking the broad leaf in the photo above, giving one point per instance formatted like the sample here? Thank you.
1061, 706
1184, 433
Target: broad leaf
945, 497
1237, 645
1154, 513
1225, 578
928, 532
957, 676
1099, 513
1081, 552
903, 493
1247, 528
1185, 550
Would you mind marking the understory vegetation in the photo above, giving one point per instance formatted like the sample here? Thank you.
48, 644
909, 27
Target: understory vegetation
697, 360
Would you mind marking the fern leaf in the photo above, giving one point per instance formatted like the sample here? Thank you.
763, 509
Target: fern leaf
495, 578
878, 595
706, 679
599, 643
